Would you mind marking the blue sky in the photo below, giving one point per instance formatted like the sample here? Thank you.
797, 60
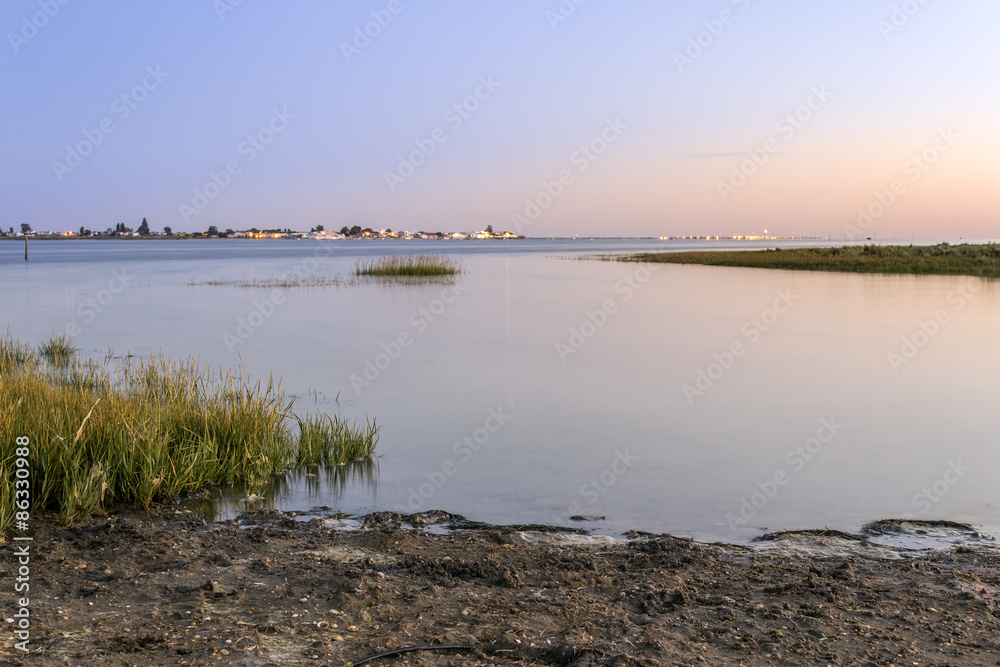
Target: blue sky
669, 122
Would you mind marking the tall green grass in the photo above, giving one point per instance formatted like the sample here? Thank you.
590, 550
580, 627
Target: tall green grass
317, 432
408, 266
148, 430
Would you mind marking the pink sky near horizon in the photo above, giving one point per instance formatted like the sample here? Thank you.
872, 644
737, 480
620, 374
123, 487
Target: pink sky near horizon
886, 94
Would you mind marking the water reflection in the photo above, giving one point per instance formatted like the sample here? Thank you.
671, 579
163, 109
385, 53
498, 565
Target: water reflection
314, 487
701, 462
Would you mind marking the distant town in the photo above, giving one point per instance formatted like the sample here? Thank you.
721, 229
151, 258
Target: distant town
143, 231
318, 232
751, 237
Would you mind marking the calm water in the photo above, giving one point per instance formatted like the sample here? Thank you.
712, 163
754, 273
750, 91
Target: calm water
495, 409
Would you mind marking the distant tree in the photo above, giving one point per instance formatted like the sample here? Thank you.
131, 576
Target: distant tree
87, 232
355, 230
388, 231
368, 229
168, 231
320, 228
229, 232
144, 228
11, 231
343, 230
81, 231
489, 229
25, 228
212, 230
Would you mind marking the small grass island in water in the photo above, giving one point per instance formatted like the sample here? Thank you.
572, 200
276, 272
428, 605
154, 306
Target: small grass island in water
967, 259
408, 266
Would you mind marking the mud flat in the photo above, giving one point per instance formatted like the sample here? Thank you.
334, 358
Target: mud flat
275, 589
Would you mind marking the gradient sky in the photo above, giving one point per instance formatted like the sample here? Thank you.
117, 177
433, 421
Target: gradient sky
682, 128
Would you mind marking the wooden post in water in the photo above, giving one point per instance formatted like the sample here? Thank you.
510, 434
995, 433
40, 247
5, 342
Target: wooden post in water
26, 248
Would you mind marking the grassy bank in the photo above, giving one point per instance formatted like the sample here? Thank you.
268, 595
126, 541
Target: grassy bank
408, 266
967, 259
148, 430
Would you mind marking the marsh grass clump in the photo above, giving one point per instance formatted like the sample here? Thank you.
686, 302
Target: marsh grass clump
408, 266
57, 349
147, 430
333, 441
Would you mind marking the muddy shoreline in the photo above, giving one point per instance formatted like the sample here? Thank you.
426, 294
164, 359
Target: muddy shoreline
267, 589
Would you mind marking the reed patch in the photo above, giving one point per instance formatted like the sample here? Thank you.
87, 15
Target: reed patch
408, 266
142, 431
